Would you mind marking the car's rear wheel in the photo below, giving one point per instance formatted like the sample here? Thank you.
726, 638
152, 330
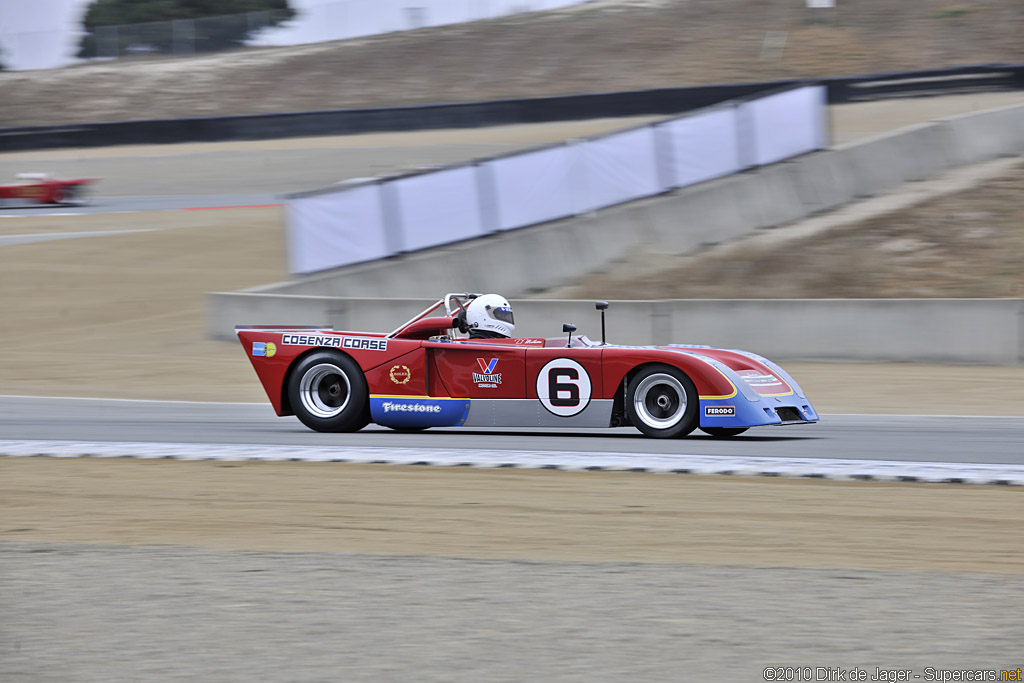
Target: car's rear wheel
724, 431
328, 393
662, 402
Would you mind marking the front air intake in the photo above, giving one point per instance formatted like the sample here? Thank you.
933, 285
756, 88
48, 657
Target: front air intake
788, 414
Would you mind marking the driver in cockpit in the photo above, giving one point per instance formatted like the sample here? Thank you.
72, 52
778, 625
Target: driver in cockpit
490, 317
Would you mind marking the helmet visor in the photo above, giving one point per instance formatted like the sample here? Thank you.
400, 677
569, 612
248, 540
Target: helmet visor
504, 314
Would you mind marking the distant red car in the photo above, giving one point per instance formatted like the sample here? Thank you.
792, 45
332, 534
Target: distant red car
39, 188
422, 375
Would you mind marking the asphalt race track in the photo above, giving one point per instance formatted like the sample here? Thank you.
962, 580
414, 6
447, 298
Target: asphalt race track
932, 448
102, 205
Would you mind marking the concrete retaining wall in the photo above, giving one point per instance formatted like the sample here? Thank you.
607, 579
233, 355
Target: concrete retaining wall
989, 331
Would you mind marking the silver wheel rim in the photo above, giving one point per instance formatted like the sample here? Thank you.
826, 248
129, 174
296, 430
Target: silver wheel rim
660, 401
324, 390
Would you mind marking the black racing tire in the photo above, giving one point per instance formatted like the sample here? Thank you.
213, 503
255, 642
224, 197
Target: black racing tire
70, 196
662, 402
328, 393
724, 432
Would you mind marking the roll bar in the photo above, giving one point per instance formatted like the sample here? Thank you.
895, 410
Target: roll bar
456, 298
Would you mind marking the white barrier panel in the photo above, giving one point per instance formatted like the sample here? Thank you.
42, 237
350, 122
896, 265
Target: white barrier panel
337, 229
462, 202
532, 188
784, 125
616, 168
701, 147
438, 207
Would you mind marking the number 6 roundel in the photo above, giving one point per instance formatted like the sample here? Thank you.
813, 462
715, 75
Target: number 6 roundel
563, 387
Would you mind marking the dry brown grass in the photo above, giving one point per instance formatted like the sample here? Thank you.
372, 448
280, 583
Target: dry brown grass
599, 47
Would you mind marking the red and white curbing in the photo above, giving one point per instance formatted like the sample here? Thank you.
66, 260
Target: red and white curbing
820, 468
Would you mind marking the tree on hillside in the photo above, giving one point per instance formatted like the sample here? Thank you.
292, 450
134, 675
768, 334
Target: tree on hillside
117, 26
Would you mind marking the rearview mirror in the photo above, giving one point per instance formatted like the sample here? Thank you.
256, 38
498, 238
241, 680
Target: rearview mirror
570, 328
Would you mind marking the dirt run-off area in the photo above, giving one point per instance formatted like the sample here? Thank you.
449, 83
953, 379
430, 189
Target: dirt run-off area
604, 46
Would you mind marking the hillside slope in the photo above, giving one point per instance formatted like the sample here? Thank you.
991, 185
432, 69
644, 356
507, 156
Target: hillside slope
968, 243
598, 47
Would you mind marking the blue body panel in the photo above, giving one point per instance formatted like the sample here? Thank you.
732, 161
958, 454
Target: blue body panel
746, 407
418, 411
740, 412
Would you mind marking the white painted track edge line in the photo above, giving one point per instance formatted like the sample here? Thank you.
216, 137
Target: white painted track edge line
822, 468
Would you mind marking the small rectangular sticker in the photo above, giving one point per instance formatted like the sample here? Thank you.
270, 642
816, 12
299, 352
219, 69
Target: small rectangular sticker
719, 411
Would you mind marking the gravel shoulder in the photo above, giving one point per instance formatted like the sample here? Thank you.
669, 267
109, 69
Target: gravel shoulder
105, 613
153, 571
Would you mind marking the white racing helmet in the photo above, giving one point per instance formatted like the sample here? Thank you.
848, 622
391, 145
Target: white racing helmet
490, 314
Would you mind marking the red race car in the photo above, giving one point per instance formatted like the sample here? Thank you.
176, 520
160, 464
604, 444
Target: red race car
427, 374
39, 188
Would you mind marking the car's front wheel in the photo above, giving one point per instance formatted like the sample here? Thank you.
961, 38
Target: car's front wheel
662, 402
328, 393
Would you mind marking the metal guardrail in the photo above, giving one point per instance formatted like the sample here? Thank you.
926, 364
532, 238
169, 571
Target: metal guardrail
986, 77
500, 112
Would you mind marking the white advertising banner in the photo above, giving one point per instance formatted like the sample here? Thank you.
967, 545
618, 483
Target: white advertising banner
784, 125
337, 229
532, 188
438, 207
701, 147
362, 223
616, 168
